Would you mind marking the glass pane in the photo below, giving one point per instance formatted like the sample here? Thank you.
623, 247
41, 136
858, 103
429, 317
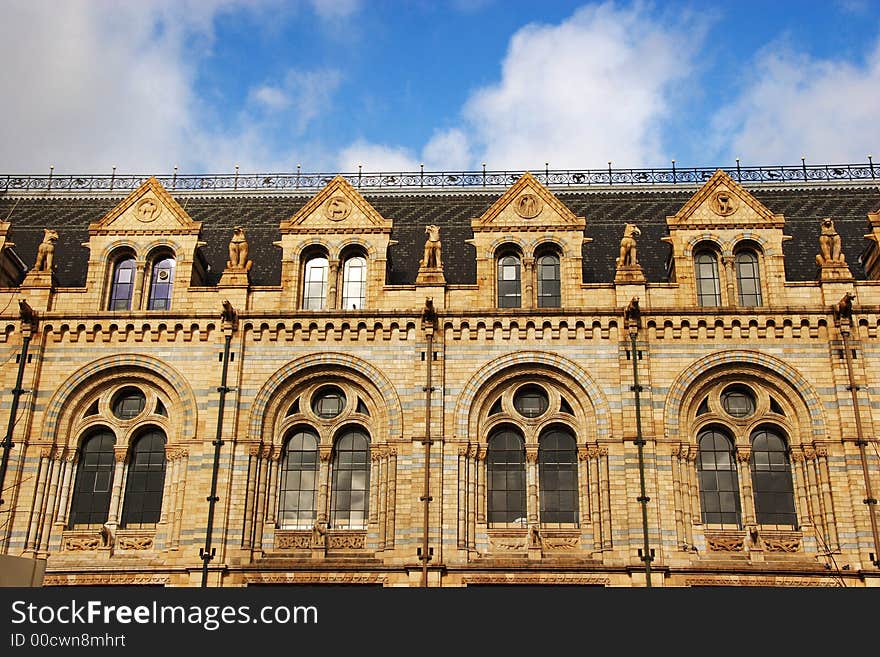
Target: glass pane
94, 479
771, 479
161, 282
351, 479
506, 469
146, 479
315, 283
557, 473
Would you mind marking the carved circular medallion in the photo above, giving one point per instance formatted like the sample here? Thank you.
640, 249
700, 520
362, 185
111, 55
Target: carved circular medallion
337, 208
723, 203
528, 206
147, 210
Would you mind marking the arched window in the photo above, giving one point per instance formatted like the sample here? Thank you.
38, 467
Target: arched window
557, 464
351, 480
748, 278
299, 478
771, 479
708, 283
315, 283
161, 283
549, 281
146, 479
506, 462
719, 488
354, 283
509, 281
94, 480
122, 286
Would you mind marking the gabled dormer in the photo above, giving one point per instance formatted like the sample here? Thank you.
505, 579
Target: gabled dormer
726, 247
144, 253
12, 268
528, 247
334, 251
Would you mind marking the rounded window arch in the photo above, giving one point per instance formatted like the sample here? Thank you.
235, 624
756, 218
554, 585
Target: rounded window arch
706, 276
161, 281
719, 487
354, 280
772, 482
557, 473
509, 279
315, 269
547, 266
748, 276
299, 479
349, 495
145, 481
122, 281
506, 463
94, 479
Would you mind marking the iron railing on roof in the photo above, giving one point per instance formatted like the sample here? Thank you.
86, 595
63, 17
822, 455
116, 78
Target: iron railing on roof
803, 173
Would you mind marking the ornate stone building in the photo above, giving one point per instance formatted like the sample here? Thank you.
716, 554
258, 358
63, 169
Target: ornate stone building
244, 387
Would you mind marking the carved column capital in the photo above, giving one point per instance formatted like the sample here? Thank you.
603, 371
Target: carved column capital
119, 454
531, 454
325, 453
743, 454
583, 453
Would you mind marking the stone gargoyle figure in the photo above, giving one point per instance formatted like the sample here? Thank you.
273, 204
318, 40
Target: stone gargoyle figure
627, 256
432, 259
238, 250
46, 251
829, 245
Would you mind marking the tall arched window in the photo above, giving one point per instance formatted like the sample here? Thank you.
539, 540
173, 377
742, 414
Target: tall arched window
708, 283
146, 479
122, 286
94, 479
315, 283
771, 479
351, 480
509, 281
506, 462
354, 283
748, 278
719, 488
557, 464
161, 283
549, 281
299, 478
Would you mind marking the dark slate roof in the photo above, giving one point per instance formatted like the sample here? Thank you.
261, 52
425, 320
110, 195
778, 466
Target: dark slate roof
606, 213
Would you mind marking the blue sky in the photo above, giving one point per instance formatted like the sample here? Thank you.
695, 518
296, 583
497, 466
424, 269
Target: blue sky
208, 84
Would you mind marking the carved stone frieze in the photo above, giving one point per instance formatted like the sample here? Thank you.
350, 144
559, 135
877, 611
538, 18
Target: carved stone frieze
346, 541
134, 542
300, 540
560, 544
81, 543
107, 578
758, 581
513, 578
317, 578
725, 542
781, 542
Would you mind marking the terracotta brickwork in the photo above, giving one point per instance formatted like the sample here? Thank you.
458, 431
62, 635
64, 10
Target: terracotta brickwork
801, 362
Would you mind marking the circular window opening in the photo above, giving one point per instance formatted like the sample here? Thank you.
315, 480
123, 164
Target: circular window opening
129, 403
328, 402
738, 401
531, 401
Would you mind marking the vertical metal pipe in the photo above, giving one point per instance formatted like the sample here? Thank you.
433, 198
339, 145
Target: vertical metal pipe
206, 553
13, 411
429, 325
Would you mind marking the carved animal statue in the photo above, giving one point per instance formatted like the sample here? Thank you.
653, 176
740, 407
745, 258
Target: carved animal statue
535, 539
46, 251
627, 256
632, 311
238, 251
319, 534
829, 245
431, 259
844, 306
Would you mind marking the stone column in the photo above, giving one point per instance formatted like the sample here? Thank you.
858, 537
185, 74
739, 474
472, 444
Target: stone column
325, 453
332, 284
480, 473
137, 291
119, 455
250, 495
744, 473
825, 479
64, 496
528, 283
729, 262
532, 484
605, 494
463, 486
390, 515
273, 484
583, 486
378, 504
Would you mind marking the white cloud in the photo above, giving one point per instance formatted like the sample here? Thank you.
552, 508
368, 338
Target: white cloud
797, 106
448, 150
375, 158
272, 98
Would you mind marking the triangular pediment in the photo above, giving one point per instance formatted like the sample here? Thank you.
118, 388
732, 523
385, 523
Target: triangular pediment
147, 210
724, 203
528, 205
338, 208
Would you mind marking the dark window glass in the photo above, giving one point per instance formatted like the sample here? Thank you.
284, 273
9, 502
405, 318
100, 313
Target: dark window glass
738, 401
92, 410
704, 406
299, 480
161, 283
708, 283
775, 407
531, 401
771, 480
565, 407
557, 465
362, 407
719, 489
315, 283
94, 480
506, 467
354, 283
748, 278
328, 402
123, 284
549, 281
160, 408
129, 403
509, 279
496, 407
349, 498
146, 480
294, 408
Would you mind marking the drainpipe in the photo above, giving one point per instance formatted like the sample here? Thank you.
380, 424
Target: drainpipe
429, 323
632, 315
207, 553
844, 316
28, 325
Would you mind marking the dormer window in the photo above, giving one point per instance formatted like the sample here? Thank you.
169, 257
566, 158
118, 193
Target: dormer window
706, 275
549, 281
509, 281
748, 278
315, 283
122, 285
161, 283
354, 283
